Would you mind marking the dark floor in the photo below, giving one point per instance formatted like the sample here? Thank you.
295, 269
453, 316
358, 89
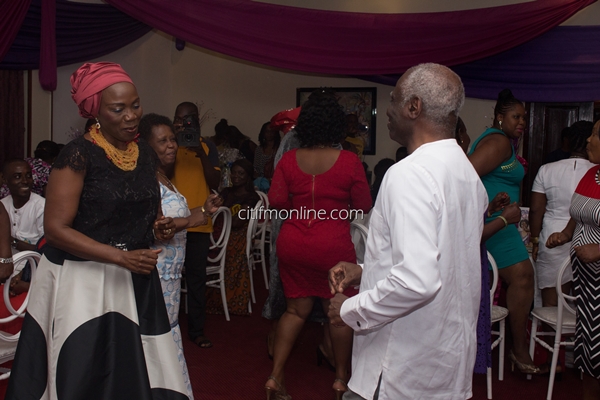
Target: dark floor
237, 366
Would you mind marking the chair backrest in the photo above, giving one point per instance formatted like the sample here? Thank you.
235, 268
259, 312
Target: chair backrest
253, 228
562, 298
494, 276
220, 242
19, 261
359, 234
265, 198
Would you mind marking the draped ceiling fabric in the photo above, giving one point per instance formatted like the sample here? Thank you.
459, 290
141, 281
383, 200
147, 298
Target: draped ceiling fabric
491, 48
83, 32
12, 15
561, 65
345, 43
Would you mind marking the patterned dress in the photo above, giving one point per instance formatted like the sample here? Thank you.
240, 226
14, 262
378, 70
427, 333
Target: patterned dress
170, 264
585, 210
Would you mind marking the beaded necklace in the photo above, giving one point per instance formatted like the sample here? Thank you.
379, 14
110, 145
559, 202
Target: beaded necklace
122, 159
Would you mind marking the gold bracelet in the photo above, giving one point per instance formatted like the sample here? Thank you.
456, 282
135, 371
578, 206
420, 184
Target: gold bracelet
503, 219
534, 239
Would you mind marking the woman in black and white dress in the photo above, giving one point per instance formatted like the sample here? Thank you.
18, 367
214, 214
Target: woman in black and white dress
97, 326
583, 231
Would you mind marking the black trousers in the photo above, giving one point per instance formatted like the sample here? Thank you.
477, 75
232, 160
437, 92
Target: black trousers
195, 276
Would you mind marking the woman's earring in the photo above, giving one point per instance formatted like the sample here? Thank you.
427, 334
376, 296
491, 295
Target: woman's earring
97, 124
499, 122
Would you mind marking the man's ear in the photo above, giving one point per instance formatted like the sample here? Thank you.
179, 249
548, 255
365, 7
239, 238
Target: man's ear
414, 106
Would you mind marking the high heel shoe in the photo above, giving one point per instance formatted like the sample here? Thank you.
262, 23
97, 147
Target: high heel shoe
276, 393
322, 357
339, 393
529, 369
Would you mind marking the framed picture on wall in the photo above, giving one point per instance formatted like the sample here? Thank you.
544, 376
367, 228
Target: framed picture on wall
359, 101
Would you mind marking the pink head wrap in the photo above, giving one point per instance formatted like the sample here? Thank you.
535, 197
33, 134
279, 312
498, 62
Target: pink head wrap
88, 82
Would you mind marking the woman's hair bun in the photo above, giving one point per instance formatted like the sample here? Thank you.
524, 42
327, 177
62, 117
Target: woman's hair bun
505, 95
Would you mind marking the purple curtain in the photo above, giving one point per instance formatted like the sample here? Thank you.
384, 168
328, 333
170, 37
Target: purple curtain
348, 43
12, 14
12, 115
561, 65
48, 46
83, 32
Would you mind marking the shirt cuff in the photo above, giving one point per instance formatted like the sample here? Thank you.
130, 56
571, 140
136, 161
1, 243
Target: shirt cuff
351, 315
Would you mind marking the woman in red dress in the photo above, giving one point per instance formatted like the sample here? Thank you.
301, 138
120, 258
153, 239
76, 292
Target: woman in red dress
318, 188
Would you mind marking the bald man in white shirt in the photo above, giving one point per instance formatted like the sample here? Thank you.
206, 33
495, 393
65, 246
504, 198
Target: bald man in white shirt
416, 314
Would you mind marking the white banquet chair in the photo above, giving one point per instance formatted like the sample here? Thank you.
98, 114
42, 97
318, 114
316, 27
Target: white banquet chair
8, 342
216, 265
498, 315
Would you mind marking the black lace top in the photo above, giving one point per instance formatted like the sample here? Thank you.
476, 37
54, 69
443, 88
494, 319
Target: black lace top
116, 207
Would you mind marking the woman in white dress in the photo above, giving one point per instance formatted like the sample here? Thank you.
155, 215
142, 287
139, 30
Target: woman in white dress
158, 131
551, 195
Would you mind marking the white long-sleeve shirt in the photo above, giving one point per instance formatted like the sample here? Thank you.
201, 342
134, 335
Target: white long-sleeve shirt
416, 314
27, 222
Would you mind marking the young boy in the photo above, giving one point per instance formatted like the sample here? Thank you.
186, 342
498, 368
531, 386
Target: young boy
25, 209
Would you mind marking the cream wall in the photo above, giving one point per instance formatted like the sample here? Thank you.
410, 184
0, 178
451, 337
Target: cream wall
246, 94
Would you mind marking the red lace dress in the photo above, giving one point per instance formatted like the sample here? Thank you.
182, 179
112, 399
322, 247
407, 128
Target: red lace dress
316, 235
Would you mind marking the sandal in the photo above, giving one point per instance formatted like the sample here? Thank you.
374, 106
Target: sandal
203, 342
339, 393
276, 393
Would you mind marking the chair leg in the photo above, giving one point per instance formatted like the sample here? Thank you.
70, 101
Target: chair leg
250, 265
264, 265
534, 328
555, 354
489, 383
501, 350
224, 298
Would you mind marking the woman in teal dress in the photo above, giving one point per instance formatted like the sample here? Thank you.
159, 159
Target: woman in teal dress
494, 159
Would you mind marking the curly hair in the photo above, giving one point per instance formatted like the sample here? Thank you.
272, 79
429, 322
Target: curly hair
151, 120
262, 136
505, 102
579, 132
322, 121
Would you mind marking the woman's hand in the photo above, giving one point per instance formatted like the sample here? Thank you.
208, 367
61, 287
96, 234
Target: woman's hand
498, 203
535, 248
557, 239
141, 261
588, 253
164, 228
512, 213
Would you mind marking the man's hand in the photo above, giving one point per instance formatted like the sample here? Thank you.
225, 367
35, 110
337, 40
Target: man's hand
344, 275
212, 203
335, 305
